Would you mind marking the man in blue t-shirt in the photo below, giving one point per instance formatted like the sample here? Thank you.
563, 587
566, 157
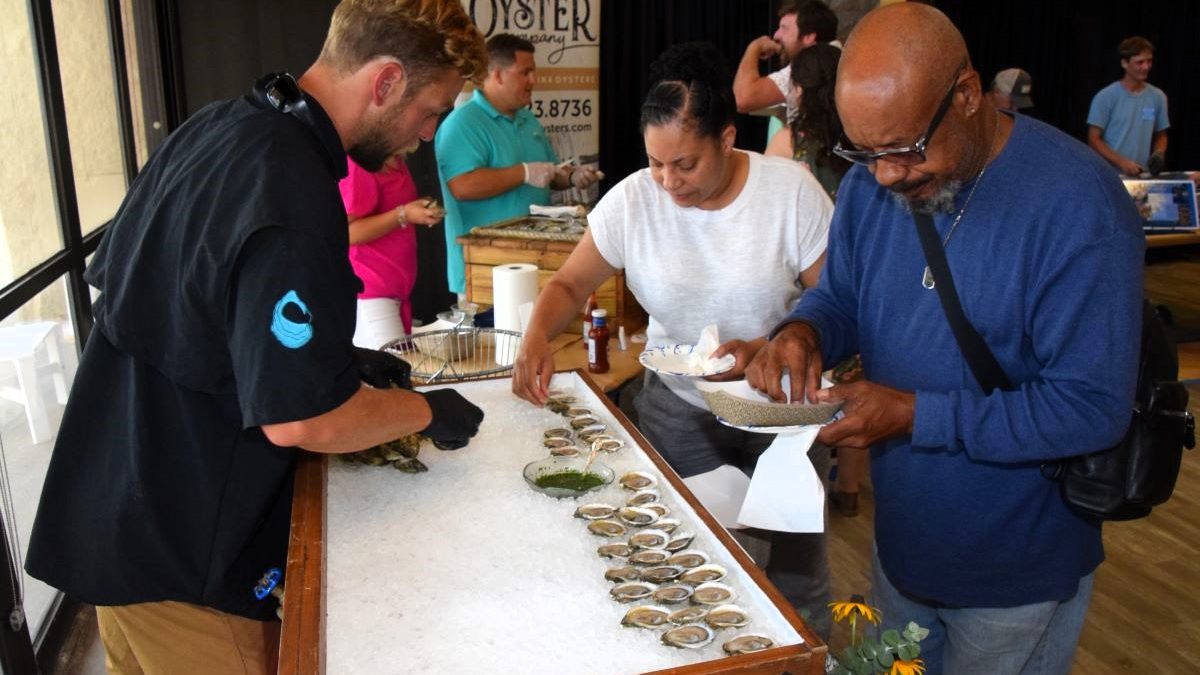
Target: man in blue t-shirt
493, 155
1045, 251
1127, 123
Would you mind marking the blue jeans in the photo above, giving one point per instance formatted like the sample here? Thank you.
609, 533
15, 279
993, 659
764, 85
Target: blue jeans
1036, 639
692, 441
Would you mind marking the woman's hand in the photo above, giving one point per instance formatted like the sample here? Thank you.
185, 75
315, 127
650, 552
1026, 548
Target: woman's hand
423, 211
742, 351
532, 371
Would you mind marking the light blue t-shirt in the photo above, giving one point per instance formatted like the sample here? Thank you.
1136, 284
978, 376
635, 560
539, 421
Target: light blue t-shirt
1128, 121
474, 136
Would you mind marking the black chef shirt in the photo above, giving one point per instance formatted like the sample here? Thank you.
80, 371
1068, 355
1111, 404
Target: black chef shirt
226, 302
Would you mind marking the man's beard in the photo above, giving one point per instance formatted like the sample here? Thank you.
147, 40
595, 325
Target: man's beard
942, 201
374, 148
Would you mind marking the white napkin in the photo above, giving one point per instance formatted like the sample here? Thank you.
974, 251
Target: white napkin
577, 211
722, 492
785, 494
700, 360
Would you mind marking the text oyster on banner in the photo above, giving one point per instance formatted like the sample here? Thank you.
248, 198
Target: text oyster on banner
566, 38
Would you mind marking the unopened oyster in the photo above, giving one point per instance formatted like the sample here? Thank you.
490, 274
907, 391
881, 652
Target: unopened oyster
661, 574
614, 550
643, 498
686, 615
636, 516
649, 556
744, 644
632, 590
704, 573
400, 453
649, 539
690, 636
557, 406
595, 511
727, 616
646, 616
680, 540
624, 573
688, 559
638, 480
606, 528
713, 593
672, 594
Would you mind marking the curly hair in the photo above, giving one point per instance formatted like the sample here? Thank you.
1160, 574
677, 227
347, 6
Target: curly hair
692, 85
427, 36
814, 71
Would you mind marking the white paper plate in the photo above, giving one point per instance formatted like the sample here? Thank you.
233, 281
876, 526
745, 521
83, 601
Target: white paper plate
673, 360
766, 430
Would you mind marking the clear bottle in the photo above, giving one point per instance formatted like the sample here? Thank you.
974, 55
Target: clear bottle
587, 317
597, 342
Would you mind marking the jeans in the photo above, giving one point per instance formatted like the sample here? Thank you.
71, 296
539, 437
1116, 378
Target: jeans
692, 441
1036, 639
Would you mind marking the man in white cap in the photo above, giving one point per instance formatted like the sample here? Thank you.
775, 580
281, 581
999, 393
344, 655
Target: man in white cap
1011, 89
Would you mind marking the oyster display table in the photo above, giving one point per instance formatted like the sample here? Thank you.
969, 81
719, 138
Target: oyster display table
464, 569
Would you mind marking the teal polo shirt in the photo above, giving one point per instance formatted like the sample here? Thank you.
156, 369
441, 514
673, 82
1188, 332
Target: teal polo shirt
474, 136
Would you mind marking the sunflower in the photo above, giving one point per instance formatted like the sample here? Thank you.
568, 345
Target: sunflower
857, 605
905, 667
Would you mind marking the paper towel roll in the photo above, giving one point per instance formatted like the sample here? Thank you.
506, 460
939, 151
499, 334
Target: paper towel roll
512, 286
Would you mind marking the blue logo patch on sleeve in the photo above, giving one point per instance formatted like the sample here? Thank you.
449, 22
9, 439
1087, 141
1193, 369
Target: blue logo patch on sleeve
291, 322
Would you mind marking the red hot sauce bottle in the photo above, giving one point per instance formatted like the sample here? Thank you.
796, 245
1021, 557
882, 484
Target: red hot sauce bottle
598, 342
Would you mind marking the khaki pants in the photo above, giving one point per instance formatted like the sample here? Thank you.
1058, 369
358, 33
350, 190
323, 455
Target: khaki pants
176, 638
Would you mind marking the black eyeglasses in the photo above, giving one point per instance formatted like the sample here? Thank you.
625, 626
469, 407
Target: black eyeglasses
909, 155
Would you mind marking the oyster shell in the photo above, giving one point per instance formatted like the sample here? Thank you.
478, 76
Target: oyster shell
658, 507
689, 614
606, 528
667, 525
690, 636
744, 644
713, 593
614, 550
638, 480
649, 538
595, 511
703, 574
727, 616
565, 451
557, 442
622, 574
661, 574
583, 421
643, 498
590, 432
557, 406
672, 594
636, 516
646, 616
631, 590
602, 444
579, 412
688, 559
680, 540
649, 556
557, 432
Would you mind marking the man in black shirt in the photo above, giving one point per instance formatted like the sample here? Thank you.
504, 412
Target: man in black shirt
223, 342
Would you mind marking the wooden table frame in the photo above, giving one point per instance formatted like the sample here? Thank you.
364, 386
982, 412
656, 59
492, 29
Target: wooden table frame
302, 640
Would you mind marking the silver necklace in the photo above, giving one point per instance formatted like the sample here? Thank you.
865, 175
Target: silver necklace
927, 278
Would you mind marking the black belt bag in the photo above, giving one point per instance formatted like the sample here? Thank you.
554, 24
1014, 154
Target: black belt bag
1119, 483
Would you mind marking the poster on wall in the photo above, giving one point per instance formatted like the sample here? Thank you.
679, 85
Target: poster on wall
566, 37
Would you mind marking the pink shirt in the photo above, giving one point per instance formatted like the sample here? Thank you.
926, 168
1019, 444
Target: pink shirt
387, 266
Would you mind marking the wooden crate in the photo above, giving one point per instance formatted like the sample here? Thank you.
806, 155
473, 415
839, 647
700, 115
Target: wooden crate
482, 253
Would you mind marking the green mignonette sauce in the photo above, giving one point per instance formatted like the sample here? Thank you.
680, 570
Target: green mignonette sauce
570, 480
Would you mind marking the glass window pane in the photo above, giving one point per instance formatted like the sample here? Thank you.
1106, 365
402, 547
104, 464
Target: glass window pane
90, 97
38, 356
29, 231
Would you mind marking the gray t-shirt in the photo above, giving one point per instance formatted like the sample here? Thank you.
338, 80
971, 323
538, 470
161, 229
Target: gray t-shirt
738, 266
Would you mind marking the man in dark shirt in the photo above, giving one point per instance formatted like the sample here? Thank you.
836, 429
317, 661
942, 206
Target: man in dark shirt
223, 341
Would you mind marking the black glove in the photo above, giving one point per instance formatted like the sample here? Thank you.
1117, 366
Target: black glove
455, 419
382, 370
1156, 163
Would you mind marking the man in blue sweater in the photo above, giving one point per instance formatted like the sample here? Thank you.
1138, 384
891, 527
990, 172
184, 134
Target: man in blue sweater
1045, 249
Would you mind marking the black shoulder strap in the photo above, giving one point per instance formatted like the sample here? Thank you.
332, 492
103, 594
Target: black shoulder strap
984, 366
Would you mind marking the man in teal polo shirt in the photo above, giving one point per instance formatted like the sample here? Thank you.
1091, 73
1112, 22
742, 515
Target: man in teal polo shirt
493, 154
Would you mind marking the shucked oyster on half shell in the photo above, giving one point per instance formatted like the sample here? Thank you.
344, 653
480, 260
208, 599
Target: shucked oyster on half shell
557, 432
565, 451
689, 636
643, 498
713, 593
662, 573
617, 549
689, 614
636, 516
704, 573
672, 594
727, 616
680, 540
688, 559
649, 556
623, 574
606, 528
646, 616
658, 507
649, 538
744, 644
638, 480
632, 590
595, 511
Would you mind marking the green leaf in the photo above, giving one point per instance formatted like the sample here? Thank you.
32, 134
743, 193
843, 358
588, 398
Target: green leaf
914, 632
868, 651
885, 659
891, 638
864, 668
908, 652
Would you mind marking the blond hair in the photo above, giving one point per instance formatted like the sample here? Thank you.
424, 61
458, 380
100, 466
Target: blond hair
427, 36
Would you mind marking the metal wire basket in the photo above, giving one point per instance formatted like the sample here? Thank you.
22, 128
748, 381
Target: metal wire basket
457, 354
